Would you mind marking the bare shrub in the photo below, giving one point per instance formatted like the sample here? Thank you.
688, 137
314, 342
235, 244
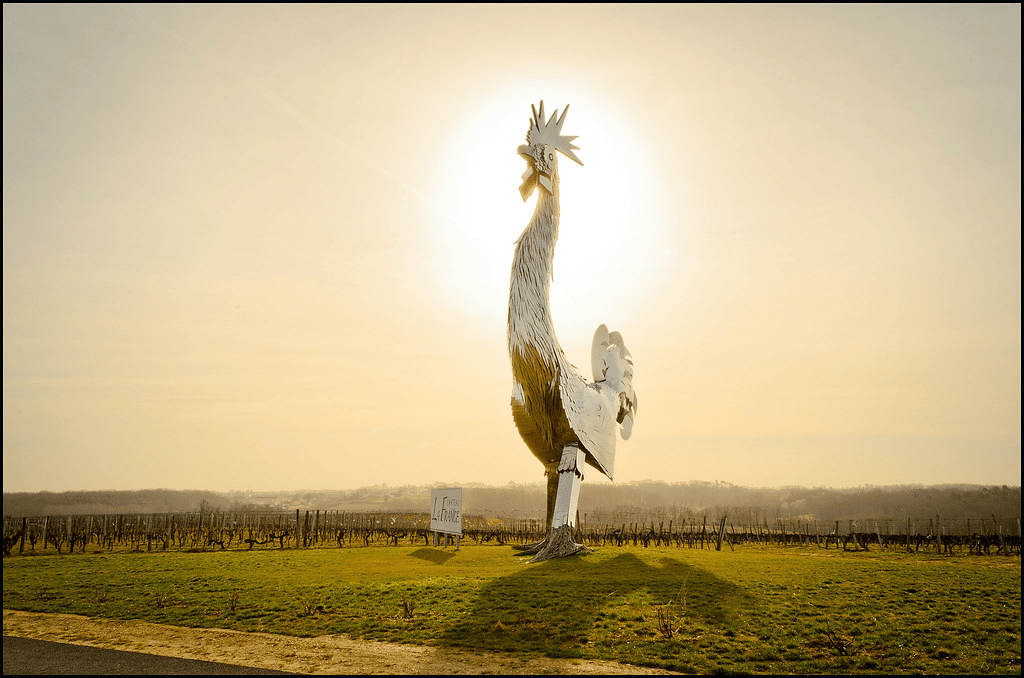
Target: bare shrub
408, 607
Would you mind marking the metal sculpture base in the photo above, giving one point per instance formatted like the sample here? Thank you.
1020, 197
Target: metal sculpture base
560, 541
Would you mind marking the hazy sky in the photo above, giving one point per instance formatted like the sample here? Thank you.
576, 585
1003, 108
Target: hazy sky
268, 247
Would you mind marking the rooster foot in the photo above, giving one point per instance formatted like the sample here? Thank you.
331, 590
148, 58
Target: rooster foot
531, 548
559, 543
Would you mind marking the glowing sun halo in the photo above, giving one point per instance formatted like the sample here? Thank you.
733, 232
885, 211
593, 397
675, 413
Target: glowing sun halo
602, 234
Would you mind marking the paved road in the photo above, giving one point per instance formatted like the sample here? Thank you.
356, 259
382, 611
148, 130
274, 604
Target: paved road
27, 656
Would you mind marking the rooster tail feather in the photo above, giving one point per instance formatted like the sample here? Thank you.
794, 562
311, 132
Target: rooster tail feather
613, 365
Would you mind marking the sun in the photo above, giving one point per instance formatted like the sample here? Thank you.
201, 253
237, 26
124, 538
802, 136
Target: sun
605, 218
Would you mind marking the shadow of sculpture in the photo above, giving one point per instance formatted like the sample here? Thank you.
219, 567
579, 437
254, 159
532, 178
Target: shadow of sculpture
554, 607
433, 555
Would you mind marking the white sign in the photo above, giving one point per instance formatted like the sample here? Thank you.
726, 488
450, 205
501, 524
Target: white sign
446, 510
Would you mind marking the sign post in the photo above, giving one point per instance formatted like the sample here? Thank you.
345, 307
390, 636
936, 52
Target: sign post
446, 514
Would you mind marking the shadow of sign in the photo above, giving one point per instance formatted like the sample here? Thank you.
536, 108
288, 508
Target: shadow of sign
432, 555
553, 607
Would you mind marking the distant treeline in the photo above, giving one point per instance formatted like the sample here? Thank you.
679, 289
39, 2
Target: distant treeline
108, 502
744, 505
757, 505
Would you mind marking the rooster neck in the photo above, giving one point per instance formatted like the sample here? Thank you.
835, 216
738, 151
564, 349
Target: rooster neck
529, 309
535, 248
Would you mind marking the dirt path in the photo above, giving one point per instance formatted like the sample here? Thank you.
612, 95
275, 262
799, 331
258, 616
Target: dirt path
321, 655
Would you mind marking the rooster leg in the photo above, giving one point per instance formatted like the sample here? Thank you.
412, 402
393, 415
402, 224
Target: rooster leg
560, 541
570, 475
551, 473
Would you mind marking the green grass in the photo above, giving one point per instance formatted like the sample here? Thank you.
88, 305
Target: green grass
752, 610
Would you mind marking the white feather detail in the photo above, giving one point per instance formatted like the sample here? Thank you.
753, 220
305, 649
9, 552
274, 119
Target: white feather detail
591, 410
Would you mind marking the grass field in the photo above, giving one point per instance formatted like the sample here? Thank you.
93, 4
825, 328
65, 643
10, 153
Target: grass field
752, 610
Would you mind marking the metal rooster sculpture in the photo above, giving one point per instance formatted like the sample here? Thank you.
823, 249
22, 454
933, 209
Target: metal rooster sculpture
563, 418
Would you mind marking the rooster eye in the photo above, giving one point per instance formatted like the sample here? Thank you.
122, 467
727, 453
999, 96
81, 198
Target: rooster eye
551, 156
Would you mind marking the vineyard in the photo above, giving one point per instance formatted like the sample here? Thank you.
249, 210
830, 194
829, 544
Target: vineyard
216, 529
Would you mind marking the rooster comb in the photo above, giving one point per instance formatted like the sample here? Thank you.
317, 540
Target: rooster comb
550, 132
